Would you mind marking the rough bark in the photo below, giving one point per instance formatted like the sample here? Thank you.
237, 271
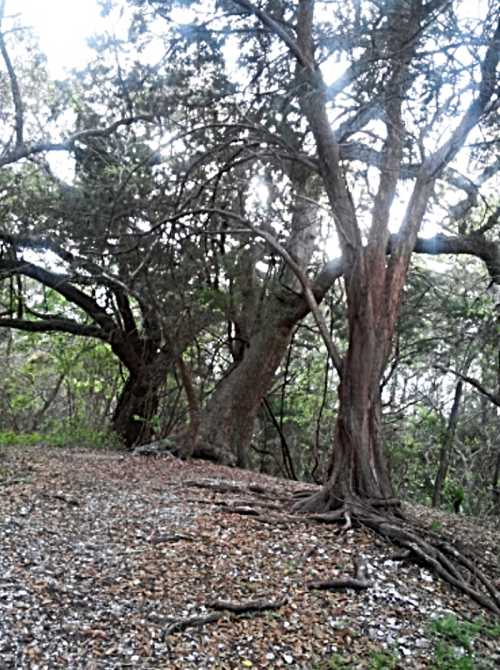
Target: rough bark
227, 422
358, 473
357, 470
139, 399
228, 419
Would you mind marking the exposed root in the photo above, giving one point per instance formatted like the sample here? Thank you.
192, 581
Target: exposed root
259, 605
222, 608
429, 549
456, 569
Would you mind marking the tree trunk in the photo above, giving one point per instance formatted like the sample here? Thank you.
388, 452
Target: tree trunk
228, 420
138, 402
358, 472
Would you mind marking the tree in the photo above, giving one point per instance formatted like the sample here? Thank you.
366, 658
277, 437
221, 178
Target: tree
376, 265
99, 242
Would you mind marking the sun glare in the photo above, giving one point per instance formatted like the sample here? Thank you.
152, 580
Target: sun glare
62, 26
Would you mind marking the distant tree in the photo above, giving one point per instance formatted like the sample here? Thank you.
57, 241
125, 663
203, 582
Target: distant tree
98, 241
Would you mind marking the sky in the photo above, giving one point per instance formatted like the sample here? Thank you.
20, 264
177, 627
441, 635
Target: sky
62, 27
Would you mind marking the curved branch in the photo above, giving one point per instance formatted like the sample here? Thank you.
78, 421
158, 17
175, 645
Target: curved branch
59, 325
274, 26
305, 283
60, 283
473, 245
495, 399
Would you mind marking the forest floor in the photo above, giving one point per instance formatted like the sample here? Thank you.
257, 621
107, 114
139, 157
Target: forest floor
118, 561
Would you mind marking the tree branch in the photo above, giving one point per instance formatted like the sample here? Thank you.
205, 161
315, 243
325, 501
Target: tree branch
495, 399
473, 245
15, 91
25, 151
305, 283
275, 28
52, 325
60, 283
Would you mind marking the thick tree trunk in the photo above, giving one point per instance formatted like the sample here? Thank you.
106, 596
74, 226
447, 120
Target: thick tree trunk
135, 408
358, 472
265, 328
228, 420
138, 402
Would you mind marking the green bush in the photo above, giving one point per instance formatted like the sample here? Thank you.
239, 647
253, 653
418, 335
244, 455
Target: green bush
11, 438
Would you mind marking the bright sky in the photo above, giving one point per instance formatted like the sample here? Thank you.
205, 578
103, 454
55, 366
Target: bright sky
62, 27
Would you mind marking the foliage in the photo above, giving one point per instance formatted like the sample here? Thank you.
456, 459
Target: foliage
11, 438
455, 638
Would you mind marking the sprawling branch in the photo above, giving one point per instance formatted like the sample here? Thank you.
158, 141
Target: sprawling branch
486, 250
62, 285
52, 325
27, 150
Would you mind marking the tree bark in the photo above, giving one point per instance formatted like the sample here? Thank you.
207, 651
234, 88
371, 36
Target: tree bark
358, 469
227, 422
139, 400
229, 417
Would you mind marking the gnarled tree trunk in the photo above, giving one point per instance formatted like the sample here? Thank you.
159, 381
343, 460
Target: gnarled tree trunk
229, 417
228, 420
139, 399
358, 470
136, 406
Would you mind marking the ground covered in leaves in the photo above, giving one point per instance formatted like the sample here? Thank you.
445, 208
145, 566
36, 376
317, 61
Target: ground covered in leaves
114, 561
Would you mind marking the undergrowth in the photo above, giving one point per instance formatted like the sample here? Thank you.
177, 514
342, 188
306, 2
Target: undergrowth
75, 436
451, 648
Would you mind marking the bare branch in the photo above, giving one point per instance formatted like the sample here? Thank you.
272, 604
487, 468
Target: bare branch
442, 156
474, 245
495, 398
275, 28
26, 151
52, 325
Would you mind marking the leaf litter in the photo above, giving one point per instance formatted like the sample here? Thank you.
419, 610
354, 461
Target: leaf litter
110, 560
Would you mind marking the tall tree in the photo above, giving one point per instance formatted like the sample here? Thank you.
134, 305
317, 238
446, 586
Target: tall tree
99, 240
387, 77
